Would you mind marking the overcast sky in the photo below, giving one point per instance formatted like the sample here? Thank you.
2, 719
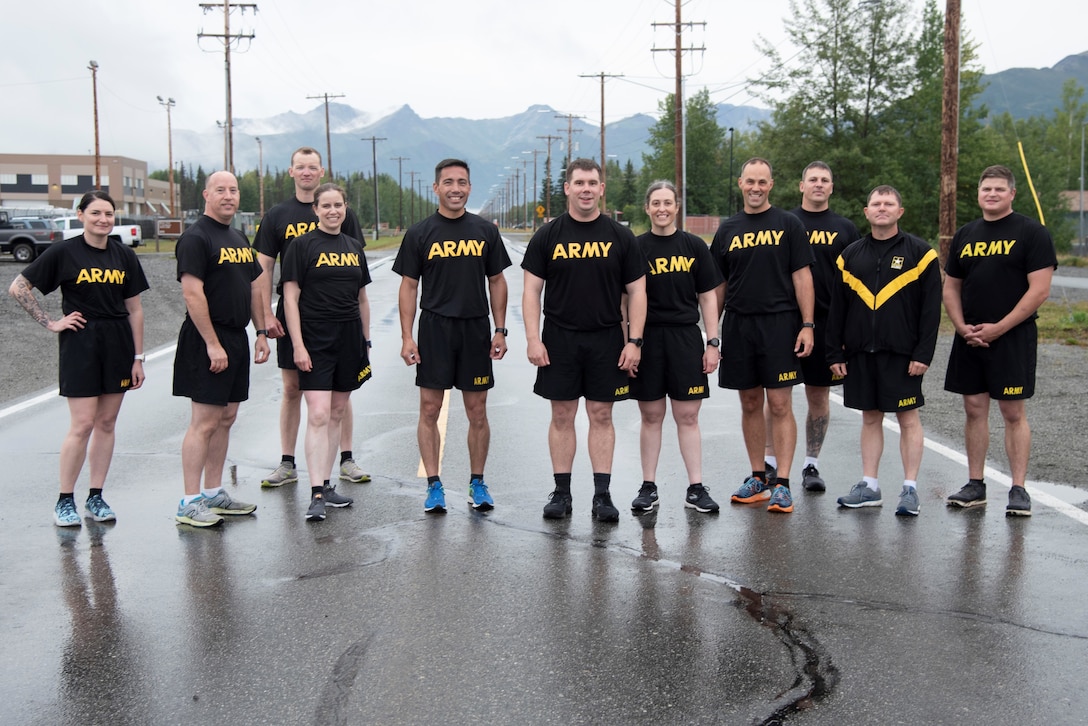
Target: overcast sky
471, 59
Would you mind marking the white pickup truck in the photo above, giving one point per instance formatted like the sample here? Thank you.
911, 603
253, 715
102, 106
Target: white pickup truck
128, 234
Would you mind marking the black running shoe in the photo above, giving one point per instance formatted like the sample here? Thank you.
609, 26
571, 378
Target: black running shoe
811, 481
1019, 503
316, 512
771, 474
973, 494
646, 499
559, 505
603, 508
698, 498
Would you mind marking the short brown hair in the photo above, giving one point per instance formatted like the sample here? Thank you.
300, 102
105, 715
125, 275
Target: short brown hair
584, 165
997, 171
885, 189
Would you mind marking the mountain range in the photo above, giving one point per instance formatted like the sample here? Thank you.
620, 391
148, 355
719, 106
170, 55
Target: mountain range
490, 146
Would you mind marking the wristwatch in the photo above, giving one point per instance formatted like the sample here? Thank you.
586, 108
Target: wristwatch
808, 325
636, 341
716, 342
139, 357
504, 331
263, 332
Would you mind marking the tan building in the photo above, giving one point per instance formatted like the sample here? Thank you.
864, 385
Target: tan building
38, 181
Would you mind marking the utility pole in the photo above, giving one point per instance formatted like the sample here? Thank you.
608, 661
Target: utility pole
374, 154
570, 132
548, 175
604, 159
93, 68
260, 172
412, 197
536, 187
328, 138
400, 188
228, 39
678, 103
168, 104
950, 129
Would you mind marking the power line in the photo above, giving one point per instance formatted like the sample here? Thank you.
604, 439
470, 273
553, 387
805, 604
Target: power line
604, 160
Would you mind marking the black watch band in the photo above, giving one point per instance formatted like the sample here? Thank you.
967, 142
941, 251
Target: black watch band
716, 342
504, 331
636, 341
263, 332
808, 325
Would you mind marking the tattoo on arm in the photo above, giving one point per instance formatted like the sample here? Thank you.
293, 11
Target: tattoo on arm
23, 292
815, 430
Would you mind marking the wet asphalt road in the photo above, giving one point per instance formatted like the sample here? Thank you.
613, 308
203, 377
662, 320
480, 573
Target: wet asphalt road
384, 615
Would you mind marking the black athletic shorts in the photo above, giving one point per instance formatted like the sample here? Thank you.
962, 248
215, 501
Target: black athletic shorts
339, 356
454, 353
194, 380
285, 349
672, 364
815, 368
96, 360
583, 364
1005, 370
881, 382
757, 350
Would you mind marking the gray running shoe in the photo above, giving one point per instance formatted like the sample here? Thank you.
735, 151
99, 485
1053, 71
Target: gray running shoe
973, 494
283, 474
316, 512
334, 498
98, 510
196, 513
350, 471
908, 502
221, 503
65, 514
1019, 503
860, 496
771, 474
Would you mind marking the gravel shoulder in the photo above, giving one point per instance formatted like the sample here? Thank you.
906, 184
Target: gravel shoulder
1056, 412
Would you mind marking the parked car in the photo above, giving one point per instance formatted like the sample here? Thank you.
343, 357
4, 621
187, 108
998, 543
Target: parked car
26, 238
128, 234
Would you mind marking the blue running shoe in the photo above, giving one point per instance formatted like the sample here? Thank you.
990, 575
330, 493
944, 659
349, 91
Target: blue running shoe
436, 499
479, 497
65, 514
98, 510
753, 489
781, 500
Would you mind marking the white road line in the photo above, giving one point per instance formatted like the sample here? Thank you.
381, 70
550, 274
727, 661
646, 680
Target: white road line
991, 474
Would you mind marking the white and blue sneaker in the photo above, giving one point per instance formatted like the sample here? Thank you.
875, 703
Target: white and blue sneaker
479, 497
98, 510
436, 499
65, 514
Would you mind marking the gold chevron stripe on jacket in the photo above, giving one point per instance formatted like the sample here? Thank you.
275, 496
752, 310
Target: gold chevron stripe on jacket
888, 291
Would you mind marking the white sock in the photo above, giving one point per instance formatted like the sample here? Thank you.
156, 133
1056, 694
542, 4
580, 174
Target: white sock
772, 460
910, 483
187, 499
209, 493
870, 481
811, 461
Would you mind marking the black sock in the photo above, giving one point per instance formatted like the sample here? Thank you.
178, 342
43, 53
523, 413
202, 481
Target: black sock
432, 479
316, 493
783, 482
92, 492
761, 475
288, 460
601, 482
325, 484
63, 496
474, 477
696, 484
344, 456
976, 481
649, 483
562, 482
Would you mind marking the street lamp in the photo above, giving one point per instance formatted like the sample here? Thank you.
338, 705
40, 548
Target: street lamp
93, 68
168, 104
